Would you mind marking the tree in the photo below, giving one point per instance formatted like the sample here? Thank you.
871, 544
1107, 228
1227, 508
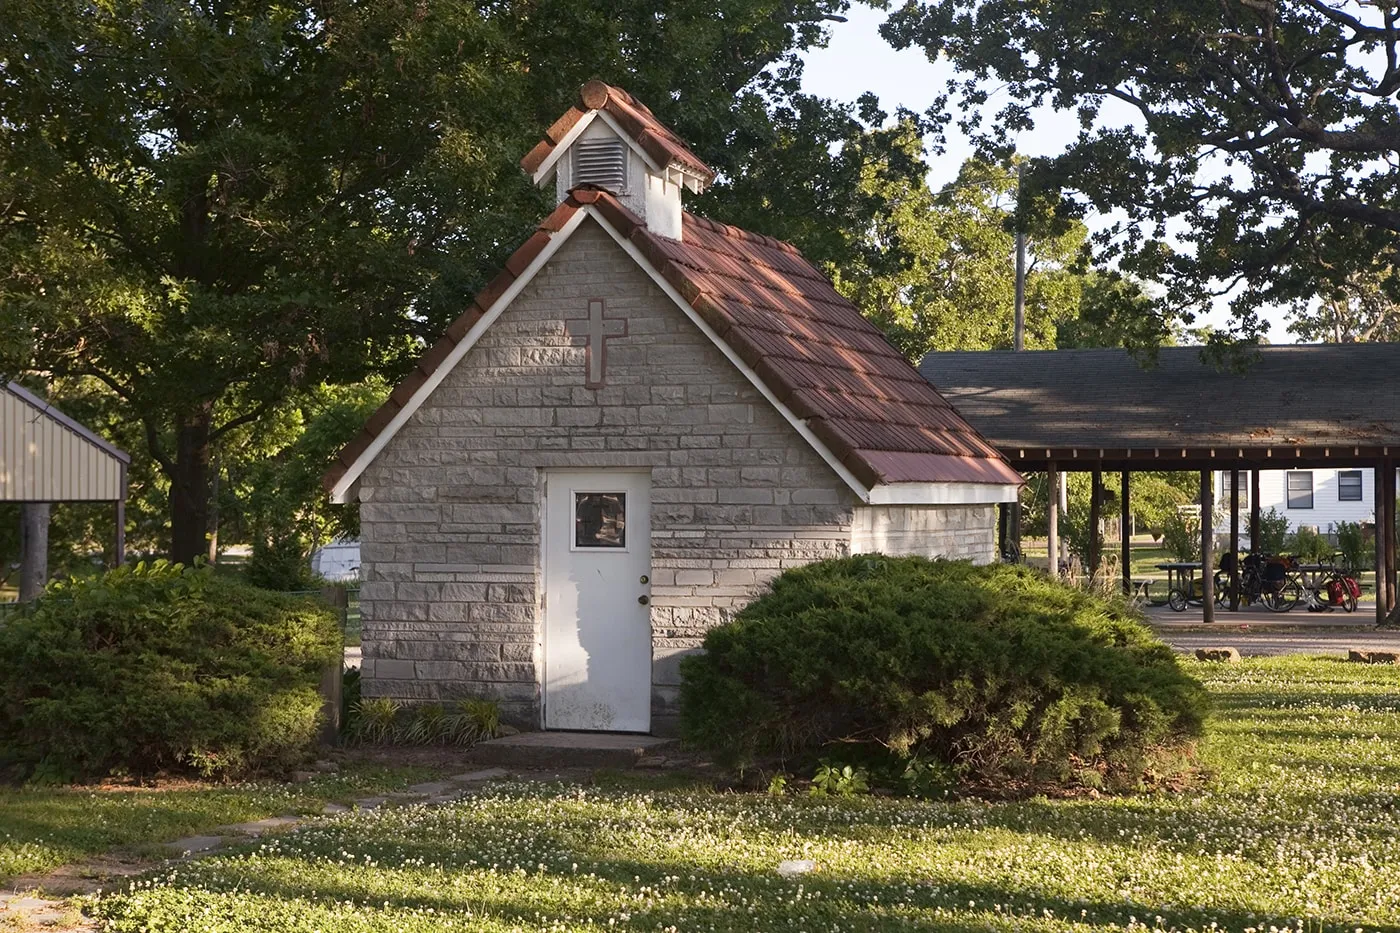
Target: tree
1115, 311
1251, 145
1355, 311
210, 206
938, 273
207, 206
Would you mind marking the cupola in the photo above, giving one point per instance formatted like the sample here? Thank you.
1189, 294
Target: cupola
609, 140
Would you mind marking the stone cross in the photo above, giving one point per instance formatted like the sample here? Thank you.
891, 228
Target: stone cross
595, 332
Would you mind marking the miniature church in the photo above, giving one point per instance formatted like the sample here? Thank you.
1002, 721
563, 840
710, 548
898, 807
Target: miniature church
639, 423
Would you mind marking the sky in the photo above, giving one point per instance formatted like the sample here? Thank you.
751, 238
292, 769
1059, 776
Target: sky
857, 60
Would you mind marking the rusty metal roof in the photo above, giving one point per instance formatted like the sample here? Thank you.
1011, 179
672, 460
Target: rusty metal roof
810, 346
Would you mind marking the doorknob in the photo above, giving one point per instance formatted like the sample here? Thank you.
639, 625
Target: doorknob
643, 600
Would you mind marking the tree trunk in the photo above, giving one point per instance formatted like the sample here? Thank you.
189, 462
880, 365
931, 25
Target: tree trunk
189, 487
214, 517
34, 549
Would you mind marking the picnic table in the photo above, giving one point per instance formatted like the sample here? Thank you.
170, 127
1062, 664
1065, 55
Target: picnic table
1309, 574
1181, 578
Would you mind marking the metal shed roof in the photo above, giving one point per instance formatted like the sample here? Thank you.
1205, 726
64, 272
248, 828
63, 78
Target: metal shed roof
46, 456
1292, 405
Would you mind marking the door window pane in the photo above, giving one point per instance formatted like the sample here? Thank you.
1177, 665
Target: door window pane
1349, 486
600, 519
1300, 489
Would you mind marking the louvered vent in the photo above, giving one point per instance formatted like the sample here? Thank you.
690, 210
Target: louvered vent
601, 162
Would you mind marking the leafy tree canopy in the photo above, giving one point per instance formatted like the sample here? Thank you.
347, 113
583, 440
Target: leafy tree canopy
938, 271
211, 207
1359, 309
1250, 145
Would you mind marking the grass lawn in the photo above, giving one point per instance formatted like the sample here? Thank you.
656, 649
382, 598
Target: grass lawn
1298, 830
41, 829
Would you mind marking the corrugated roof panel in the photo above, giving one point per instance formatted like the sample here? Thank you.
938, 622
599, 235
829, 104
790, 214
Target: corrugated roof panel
45, 456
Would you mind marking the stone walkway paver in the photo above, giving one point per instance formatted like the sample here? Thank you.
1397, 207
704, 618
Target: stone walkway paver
191, 845
28, 910
39, 913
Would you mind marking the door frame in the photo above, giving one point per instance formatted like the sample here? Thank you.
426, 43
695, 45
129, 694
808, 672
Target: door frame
548, 473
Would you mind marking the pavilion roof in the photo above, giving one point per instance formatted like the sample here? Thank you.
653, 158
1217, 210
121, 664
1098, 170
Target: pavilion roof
1309, 403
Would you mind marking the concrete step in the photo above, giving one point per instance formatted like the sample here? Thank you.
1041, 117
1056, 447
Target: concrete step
545, 750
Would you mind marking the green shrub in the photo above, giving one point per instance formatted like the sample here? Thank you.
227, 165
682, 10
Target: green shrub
1357, 553
374, 720
1273, 532
282, 563
1006, 677
1181, 536
155, 668
382, 720
1308, 544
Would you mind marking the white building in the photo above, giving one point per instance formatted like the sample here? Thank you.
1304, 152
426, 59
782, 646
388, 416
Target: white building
1320, 498
338, 561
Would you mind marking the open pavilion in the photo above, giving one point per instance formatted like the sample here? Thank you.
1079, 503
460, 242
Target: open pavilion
1287, 407
47, 457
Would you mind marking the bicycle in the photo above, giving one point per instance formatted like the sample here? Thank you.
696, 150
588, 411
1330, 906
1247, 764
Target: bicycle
1338, 587
1263, 579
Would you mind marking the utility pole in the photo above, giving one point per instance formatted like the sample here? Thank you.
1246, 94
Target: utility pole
1019, 340
1019, 343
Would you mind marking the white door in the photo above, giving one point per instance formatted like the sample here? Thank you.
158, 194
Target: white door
597, 632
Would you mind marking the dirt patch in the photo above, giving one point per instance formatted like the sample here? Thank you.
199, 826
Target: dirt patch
87, 876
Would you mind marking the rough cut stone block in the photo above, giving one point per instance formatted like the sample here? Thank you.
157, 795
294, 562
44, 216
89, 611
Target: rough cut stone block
386, 669
1374, 657
518, 652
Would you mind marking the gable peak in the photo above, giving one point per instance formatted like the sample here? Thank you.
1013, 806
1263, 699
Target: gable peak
611, 140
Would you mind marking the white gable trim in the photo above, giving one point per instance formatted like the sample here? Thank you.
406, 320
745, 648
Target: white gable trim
798, 424
340, 493
892, 494
548, 165
944, 494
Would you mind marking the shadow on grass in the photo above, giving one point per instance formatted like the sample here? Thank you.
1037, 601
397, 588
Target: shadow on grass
609, 898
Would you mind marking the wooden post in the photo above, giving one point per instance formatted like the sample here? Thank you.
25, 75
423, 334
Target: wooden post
120, 556
1013, 528
1003, 529
1234, 540
1382, 561
1391, 583
1095, 533
1125, 524
1062, 487
1052, 540
1207, 546
333, 677
1255, 528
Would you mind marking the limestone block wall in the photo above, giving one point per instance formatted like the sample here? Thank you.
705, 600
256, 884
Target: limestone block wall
955, 531
450, 509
